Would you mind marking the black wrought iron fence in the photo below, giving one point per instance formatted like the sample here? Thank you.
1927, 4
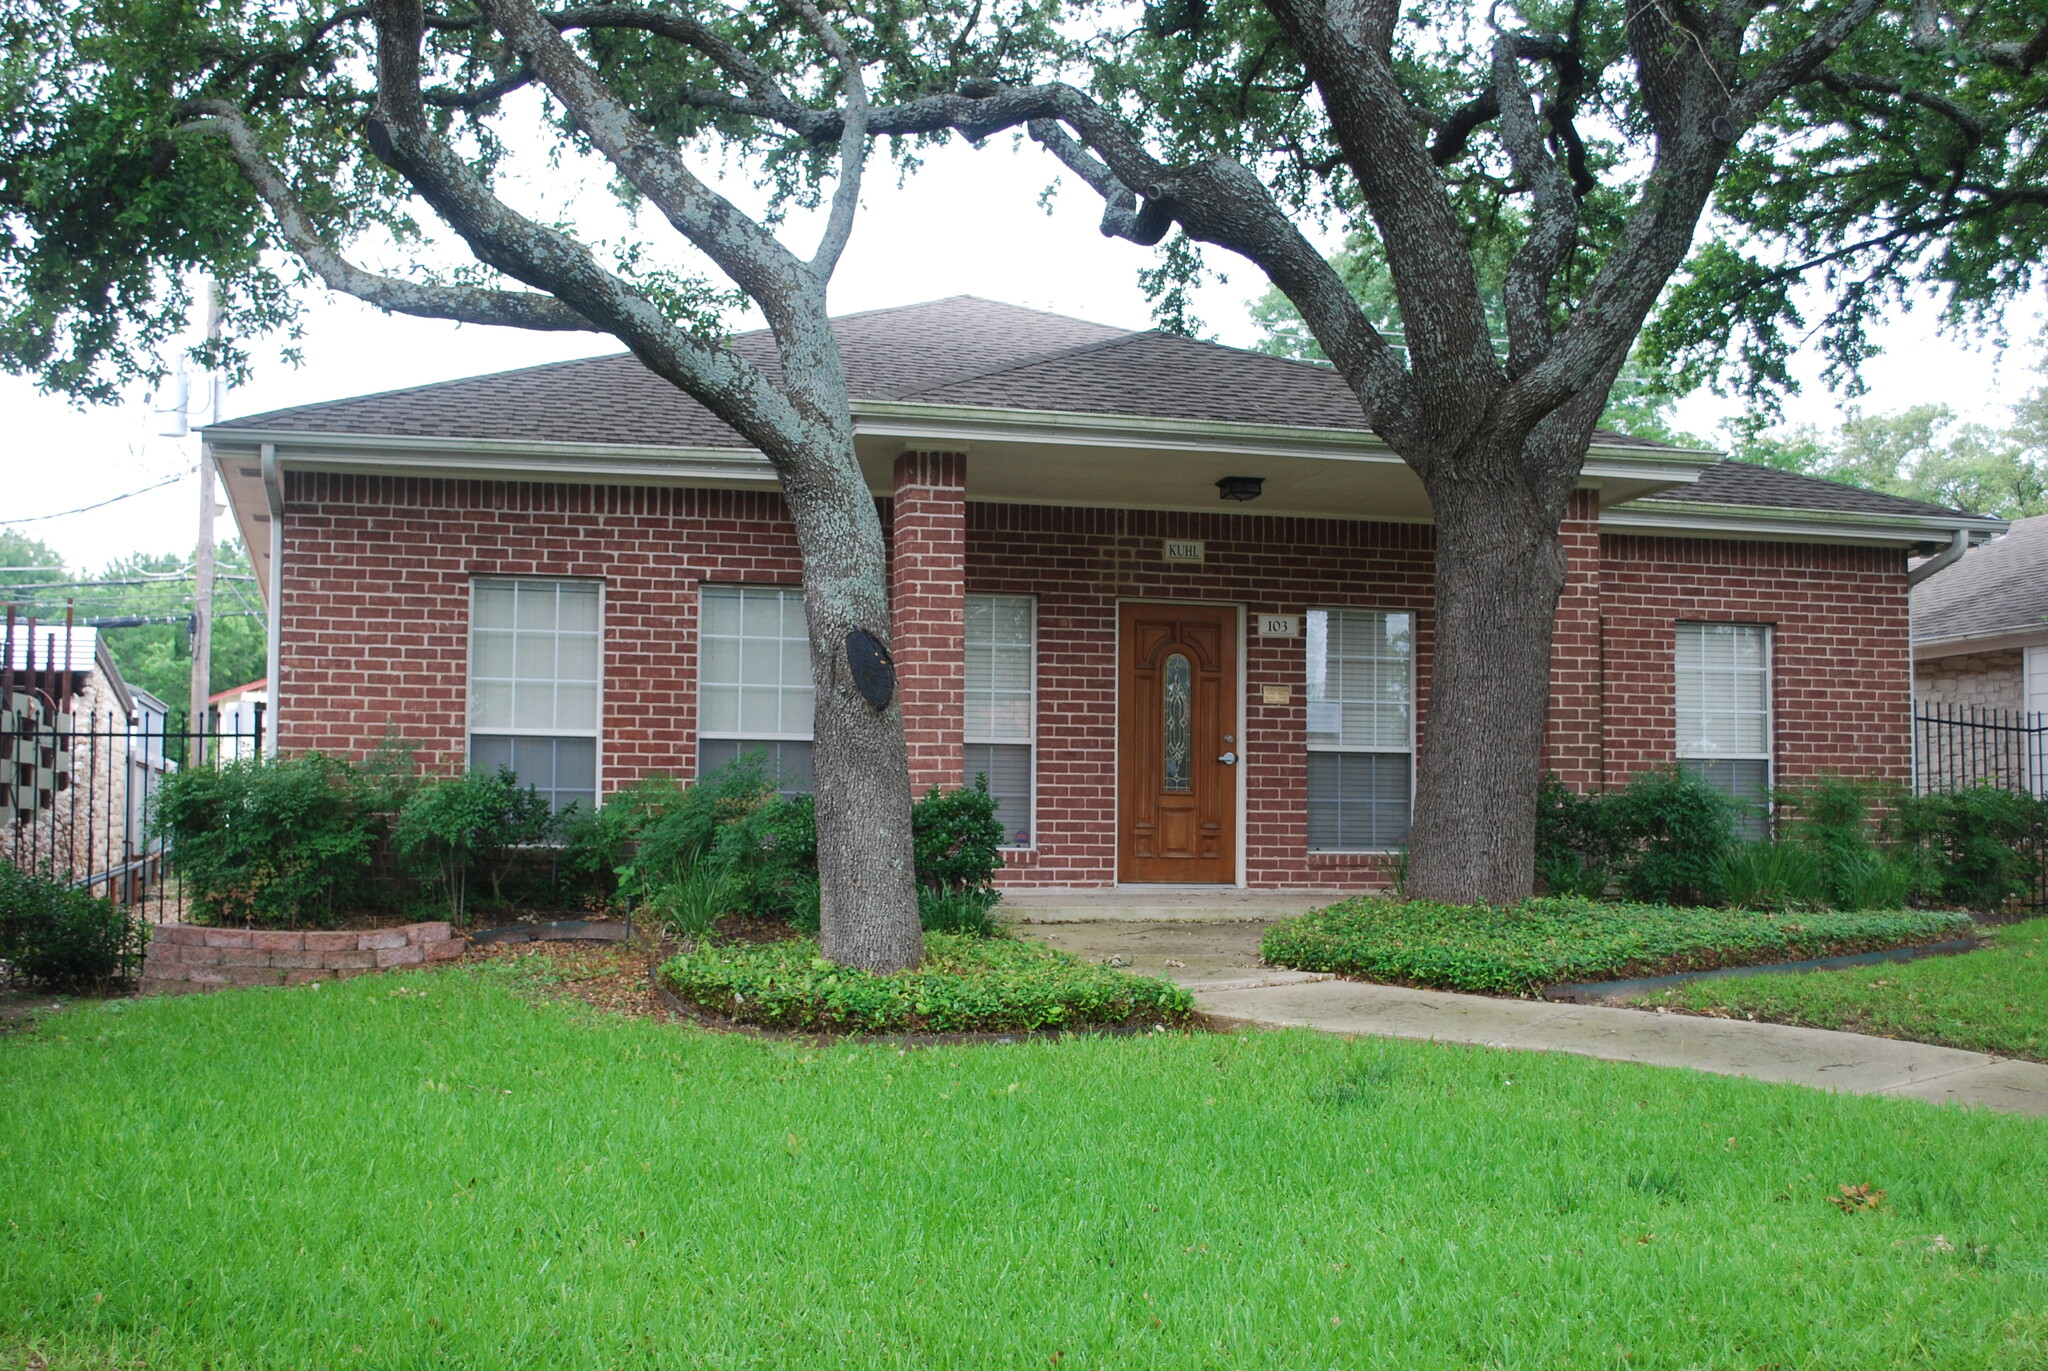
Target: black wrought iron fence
77, 785
1957, 746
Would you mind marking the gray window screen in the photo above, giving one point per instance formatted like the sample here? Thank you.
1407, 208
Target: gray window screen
1357, 801
1361, 703
787, 764
535, 655
1750, 785
1008, 768
564, 770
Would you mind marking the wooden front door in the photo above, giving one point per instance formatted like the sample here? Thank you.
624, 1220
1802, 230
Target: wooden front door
1177, 743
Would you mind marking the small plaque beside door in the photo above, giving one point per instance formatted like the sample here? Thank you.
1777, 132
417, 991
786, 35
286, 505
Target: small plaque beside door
1279, 625
1183, 550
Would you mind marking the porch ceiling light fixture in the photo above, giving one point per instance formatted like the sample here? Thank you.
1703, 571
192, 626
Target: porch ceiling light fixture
1240, 487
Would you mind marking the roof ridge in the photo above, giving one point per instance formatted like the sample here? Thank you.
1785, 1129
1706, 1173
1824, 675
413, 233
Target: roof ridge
1035, 359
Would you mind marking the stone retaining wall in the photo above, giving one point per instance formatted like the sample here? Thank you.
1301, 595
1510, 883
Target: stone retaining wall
184, 957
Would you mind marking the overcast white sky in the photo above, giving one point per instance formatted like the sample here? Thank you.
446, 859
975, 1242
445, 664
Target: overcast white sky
967, 224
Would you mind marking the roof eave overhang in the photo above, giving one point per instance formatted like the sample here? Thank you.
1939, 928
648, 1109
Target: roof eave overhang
495, 458
911, 425
1987, 640
1678, 518
914, 424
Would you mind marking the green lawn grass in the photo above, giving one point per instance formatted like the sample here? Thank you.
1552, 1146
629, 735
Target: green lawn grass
1519, 949
1991, 1000
432, 1170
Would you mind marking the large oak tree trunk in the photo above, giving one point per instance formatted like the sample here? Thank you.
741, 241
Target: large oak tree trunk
1500, 568
867, 881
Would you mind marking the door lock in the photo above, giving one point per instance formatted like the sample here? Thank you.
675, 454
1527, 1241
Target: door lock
1228, 759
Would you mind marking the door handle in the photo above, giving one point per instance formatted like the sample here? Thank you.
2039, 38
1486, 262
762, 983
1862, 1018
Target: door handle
1228, 759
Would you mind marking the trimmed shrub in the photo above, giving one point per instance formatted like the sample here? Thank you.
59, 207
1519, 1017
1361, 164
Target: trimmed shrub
55, 937
763, 849
1977, 847
1669, 832
956, 838
271, 843
1832, 818
965, 985
1574, 850
453, 827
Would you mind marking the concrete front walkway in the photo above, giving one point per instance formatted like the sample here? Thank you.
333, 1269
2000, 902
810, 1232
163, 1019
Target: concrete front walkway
1220, 963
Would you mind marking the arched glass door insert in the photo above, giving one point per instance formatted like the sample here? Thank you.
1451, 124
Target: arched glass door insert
1177, 684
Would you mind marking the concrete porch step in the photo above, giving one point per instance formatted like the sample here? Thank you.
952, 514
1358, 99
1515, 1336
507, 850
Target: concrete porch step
1159, 903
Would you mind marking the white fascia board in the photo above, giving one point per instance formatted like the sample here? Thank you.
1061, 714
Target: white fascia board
1990, 640
1677, 518
498, 458
956, 426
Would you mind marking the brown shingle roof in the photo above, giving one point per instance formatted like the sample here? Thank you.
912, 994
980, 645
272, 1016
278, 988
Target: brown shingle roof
614, 399
969, 352
2001, 587
960, 351
1728, 482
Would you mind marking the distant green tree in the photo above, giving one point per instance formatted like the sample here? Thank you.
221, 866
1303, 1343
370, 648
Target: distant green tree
156, 656
1926, 453
17, 551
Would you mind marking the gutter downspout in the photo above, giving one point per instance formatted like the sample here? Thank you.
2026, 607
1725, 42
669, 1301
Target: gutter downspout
273, 490
1915, 575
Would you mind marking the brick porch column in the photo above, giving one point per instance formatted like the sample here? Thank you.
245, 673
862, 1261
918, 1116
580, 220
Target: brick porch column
927, 599
1572, 735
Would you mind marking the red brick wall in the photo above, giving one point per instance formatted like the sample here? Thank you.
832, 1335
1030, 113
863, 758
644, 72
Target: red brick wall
1841, 669
1571, 745
377, 578
1080, 562
928, 612
377, 573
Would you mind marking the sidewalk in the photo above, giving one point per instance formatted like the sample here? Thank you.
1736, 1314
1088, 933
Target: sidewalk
1219, 962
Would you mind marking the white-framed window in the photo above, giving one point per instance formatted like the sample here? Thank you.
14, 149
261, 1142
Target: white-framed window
1723, 680
536, 659
1000, 719
754, 689
1361, 728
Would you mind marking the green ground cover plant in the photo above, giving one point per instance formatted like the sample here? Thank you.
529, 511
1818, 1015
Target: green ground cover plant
1519, 949
968, 983
1991, 1000
433, 1170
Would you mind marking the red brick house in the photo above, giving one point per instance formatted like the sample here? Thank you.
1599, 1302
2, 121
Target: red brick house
575, 570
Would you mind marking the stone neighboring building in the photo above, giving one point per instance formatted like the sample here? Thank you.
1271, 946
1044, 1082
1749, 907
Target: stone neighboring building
1980, 626
81, 751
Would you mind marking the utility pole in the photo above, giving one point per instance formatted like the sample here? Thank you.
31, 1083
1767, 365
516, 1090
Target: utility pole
202, 570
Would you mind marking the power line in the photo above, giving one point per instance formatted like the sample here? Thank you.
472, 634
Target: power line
164, 580
82, 509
